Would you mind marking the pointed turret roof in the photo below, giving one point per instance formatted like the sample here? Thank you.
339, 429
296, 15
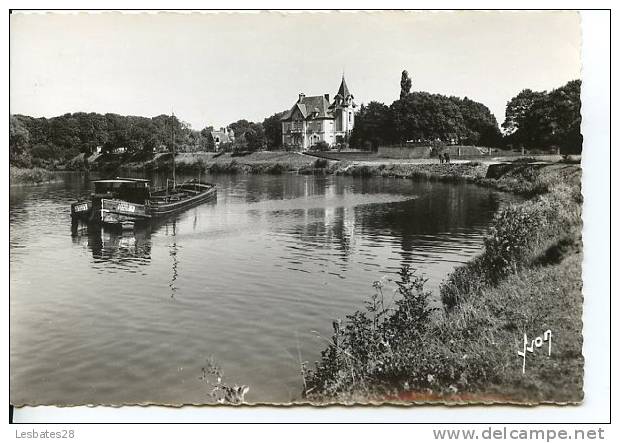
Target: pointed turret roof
343, 91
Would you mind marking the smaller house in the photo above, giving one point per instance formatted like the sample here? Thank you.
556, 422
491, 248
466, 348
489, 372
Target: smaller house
224, 136
120, 150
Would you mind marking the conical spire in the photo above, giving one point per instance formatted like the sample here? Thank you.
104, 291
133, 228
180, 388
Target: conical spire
343, 91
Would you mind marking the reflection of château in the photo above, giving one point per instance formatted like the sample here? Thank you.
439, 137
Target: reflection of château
313, 119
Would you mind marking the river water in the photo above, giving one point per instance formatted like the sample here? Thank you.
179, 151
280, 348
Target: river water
252, 281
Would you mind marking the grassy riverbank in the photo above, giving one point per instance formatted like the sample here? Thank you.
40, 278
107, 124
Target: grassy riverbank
280, 162
452, 172
29, 176
264, 162
527, 280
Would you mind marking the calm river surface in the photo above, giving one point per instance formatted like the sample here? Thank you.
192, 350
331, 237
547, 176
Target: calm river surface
250, 280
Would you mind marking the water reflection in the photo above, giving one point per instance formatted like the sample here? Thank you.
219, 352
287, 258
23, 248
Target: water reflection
113, 316
173, 251
421, 227
119, 247
127, 249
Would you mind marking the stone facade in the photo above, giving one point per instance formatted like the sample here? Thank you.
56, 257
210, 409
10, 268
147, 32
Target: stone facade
314, 119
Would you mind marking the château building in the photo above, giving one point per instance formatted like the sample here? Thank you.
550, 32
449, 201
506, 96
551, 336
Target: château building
313, 119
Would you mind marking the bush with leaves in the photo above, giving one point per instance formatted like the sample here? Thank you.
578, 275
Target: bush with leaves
321, 146
363, 352
321, 163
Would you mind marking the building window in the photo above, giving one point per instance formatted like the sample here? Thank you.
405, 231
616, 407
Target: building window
350, 116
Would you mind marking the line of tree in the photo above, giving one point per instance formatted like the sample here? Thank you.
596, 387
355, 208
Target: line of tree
51, 141
251, 136
534, 120
48, 141
542, 121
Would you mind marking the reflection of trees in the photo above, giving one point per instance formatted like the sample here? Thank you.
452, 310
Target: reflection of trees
440, 213
264, 187
444, 208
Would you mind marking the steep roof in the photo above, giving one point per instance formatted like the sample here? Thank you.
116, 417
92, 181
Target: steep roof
308, 106
343, 91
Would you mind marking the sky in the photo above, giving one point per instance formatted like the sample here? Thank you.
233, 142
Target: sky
217, 68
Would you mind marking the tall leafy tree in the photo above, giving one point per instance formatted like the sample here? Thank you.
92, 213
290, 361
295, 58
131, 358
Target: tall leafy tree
424, 116
206, 140
18, 133
248, 135
19, 137
273, 130
546, 120
373, 126
518, 109
480, 124
405, 84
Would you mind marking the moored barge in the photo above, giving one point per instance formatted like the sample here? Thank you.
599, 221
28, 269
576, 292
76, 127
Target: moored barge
125, 202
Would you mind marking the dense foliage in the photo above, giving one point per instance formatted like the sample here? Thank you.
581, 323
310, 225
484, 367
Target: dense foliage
546, 120
423, 117
272, 127
535, 120
405, 84
48, 142
365, 350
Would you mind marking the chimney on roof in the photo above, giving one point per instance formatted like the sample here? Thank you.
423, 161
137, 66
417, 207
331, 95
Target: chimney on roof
327, 97
301, 97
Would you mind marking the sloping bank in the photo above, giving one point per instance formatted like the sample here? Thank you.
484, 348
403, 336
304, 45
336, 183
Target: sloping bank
527, 280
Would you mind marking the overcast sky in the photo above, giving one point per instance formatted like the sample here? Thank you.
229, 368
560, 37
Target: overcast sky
213, 69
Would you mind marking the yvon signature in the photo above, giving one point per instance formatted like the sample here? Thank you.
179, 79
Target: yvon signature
535, 343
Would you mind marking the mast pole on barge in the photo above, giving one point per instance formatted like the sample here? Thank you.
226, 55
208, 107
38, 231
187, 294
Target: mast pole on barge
174, 175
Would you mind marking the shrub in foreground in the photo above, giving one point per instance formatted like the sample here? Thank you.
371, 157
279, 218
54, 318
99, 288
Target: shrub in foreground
363, 353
